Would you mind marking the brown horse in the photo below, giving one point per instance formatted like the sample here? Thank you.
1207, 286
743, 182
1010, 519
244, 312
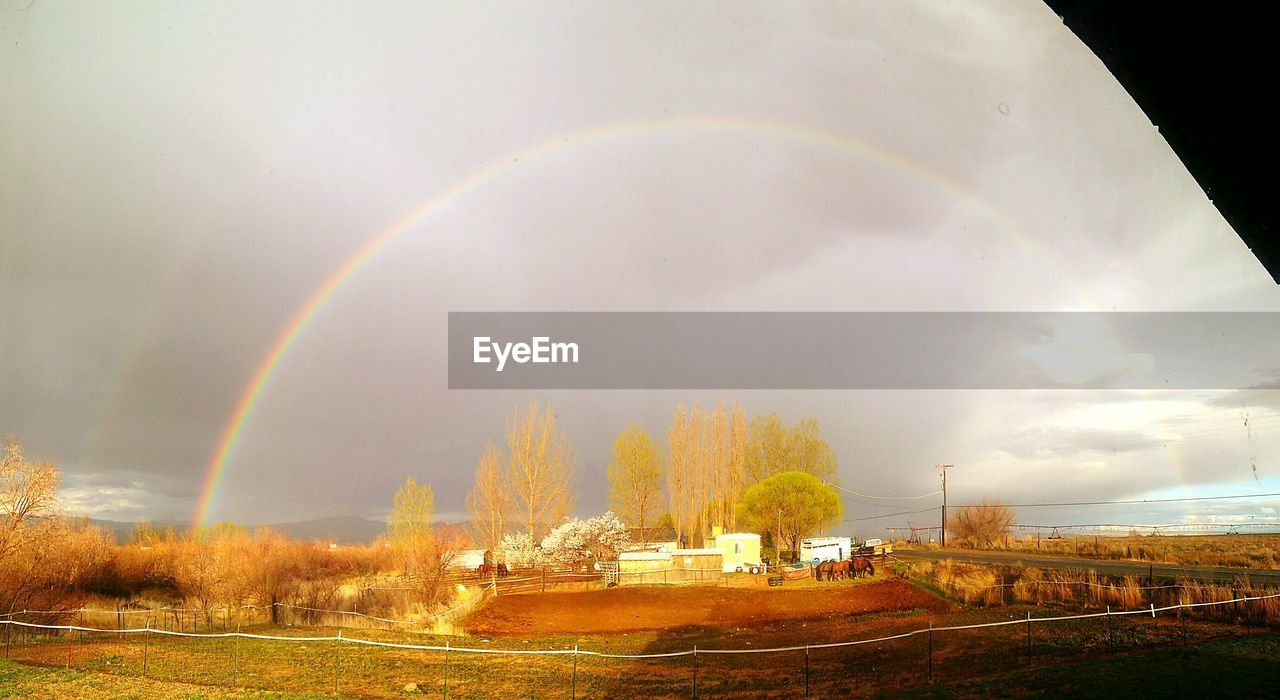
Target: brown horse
822, 568
862, 567
840, 570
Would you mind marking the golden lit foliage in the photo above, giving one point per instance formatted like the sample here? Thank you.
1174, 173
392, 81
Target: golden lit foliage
981, 525
771, 447
413, 511
635, 477
489, 501
28, 499
539, 470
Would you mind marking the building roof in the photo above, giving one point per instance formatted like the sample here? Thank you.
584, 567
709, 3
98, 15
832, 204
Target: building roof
696, 552
738, 536
644, 556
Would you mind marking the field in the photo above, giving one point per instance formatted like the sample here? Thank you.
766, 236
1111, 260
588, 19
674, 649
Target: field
1244, 667
676, 619
653, 608
1241, 551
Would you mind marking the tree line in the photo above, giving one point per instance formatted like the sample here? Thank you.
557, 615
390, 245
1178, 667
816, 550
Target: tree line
716, 470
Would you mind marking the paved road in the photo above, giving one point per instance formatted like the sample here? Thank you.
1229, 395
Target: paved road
1102, 566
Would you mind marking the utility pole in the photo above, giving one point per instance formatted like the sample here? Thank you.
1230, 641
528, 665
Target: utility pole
944, 468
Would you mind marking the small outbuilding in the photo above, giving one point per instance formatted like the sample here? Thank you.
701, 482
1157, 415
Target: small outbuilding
643, 567
696, 564
739, 550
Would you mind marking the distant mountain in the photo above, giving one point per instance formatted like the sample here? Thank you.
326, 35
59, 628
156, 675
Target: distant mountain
344, 529
349, 529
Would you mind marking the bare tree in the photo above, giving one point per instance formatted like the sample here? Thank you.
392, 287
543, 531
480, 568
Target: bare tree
539, 469
489, 501
635, 477
28, 499
679, 481
735, 476
981, 525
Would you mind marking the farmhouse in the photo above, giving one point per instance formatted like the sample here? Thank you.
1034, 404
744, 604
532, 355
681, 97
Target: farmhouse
739, 550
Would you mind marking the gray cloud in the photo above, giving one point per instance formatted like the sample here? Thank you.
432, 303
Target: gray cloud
183, 179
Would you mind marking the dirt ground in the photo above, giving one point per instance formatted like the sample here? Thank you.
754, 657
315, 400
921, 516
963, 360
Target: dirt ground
654, 608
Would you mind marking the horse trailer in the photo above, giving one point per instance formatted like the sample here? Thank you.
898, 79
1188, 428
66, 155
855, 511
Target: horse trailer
820, 549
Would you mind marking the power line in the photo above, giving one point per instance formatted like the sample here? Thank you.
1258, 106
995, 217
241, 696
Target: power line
1136, 501
1168, 526
882, 498
890, 515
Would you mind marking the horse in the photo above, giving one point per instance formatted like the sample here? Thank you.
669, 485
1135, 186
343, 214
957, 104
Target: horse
839, 569
821, 569
485, 570
502, 571
862, 567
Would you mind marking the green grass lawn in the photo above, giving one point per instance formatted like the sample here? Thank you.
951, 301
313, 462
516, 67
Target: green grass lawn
21, 681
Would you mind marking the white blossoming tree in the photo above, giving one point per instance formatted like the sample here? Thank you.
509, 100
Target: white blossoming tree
576, 540
519, 551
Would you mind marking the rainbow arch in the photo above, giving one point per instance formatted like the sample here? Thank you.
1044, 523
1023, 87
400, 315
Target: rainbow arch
252, 392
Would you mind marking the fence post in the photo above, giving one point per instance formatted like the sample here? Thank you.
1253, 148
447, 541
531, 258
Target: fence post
1028, 637
806, 670
544, 579
1111, 637
337, 653
1182, 623
573, 689
695, 672
146, 644
235, 656
446, 669
931, 650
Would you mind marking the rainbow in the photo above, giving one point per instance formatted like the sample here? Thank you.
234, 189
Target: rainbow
440, 201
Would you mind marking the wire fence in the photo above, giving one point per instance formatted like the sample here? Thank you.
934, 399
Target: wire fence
182, 618
39, 643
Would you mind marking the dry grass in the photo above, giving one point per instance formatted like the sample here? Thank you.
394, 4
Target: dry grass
984, 585
1240, 551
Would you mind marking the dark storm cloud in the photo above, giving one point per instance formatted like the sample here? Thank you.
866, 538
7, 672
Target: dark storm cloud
181, 179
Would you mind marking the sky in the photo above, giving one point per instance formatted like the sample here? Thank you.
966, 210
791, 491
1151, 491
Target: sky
180, 179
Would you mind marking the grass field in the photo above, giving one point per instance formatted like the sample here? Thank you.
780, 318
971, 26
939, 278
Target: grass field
1249, 551
1242, 668
111, 666
1237, 668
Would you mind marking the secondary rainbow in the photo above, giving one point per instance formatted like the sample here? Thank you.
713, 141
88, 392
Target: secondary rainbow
253, 391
